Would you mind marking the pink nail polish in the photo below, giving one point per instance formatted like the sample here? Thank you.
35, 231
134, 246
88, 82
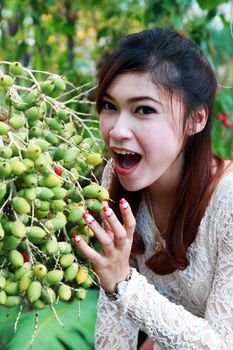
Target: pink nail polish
123, 203
76, 238
107, 211
88, 218
105, 207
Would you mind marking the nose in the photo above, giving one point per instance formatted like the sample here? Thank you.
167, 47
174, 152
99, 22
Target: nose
122, 128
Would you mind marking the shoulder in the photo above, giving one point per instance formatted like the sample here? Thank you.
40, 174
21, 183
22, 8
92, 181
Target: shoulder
224, 188
220, 207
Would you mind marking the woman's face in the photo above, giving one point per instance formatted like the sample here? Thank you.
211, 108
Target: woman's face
143, 129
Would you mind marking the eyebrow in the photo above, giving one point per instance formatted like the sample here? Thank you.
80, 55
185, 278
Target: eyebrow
136, 98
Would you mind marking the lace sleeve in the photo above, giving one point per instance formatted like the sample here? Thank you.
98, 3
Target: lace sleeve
114, 330
172, 326
107, 174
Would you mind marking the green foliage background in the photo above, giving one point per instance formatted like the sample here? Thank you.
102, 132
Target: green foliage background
71, 38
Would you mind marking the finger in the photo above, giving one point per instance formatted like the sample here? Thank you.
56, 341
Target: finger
128, 217
90, 254
108, 229
103, 237
115, 225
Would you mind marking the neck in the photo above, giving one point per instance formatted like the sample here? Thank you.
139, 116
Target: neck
163, 191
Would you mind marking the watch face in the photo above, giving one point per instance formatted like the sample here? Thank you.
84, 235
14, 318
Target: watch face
121, 287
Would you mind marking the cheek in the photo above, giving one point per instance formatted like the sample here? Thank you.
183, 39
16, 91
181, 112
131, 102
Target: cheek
104, 129
161, 140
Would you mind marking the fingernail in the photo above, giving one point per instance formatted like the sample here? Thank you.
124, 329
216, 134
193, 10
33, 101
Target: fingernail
123, 203
77, 238
107, 210
105, 203
88, 218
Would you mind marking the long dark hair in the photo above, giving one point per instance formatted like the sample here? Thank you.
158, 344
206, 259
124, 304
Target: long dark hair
177, 65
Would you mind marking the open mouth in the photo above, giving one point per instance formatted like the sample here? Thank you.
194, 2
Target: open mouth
126, 160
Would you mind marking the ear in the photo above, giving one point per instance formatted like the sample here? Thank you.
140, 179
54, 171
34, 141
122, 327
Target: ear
198, 120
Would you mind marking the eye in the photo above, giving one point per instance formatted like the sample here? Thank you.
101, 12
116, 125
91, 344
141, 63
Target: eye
145, 110
107, 106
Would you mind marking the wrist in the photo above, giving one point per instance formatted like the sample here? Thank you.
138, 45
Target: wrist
111, 288
120, 287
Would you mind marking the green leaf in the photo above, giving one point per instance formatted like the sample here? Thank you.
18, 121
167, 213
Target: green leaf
210, 4
76, 334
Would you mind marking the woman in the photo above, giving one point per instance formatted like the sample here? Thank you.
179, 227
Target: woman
172, 276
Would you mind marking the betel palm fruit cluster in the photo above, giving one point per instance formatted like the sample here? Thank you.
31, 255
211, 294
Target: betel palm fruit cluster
48, 155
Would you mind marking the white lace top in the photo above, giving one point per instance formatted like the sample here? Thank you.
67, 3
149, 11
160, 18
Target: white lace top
189, 309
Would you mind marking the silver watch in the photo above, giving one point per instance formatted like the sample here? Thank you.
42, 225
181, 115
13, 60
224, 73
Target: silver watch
120, 288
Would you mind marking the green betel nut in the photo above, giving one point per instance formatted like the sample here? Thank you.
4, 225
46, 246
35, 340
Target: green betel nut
5, 169
81, 293
4, 128
55, 224
51, 247
44, 193
3, 189
2, 282
17, 167
17, 122
12, 288
52, 180
25, 282
76, 214
94, 159
91, 191
94, 204
59, 192
54, 276
6, 80
21, 205
3, 297
39, 270
5, 152
38, 304
71, 272
12, 301
66, 260
16, 258
18, 229
33, 151
36, 234
34, 291
64, 292
48, 296
2, 232
16, 68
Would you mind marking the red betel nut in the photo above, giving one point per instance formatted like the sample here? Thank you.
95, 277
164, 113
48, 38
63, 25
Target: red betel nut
58, 170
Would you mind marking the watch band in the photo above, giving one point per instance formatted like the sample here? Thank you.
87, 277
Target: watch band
115, 295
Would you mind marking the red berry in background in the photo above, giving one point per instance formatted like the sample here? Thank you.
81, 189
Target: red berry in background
25, 256
220, 117
227, 124
224, 116
3, 119
58, 170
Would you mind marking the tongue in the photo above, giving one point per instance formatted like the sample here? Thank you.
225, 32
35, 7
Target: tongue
129, 160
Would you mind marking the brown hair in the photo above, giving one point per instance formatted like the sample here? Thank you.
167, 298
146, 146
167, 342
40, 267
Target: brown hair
177, 65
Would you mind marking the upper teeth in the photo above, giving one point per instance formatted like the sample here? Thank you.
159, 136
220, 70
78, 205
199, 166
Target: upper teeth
124, 152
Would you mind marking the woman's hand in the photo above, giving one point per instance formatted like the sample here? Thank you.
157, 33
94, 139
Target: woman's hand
111, 264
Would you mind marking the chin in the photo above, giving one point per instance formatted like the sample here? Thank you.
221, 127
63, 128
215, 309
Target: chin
131, 187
